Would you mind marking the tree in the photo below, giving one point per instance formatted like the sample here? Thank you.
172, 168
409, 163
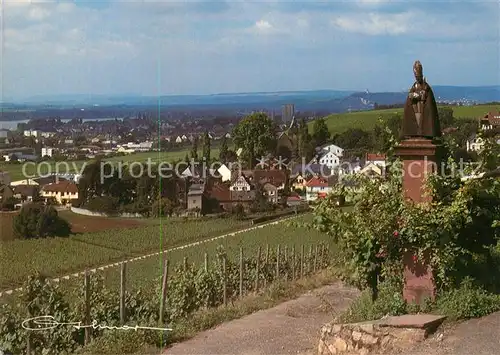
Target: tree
446, 118
305, 143
162, 207
354, 139
385, 132
38, 221
223, 152
194, 149
320, 134
206, 146
256, 134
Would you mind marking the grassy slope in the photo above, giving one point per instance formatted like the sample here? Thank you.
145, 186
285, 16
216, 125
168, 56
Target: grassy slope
366, 120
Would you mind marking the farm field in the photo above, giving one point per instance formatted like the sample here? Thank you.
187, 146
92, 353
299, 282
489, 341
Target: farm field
79, 223
146, 273
338, 123
31, 170
58, 256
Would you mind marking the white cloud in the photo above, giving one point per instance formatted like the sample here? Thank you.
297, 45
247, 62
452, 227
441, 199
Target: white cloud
263, 26
375, 24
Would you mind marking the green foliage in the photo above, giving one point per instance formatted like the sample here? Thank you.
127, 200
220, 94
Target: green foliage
189, 290
450, 233
206, 147
223, 152
162, 207
38, 221
320, 134
194, 149
467, 301
389, 303
256, 134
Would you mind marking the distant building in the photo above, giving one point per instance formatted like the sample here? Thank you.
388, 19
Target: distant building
64, 192
287, 113
47, 152
490, 121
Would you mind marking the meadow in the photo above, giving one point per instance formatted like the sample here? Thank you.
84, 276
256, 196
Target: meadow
366, 120
19, 171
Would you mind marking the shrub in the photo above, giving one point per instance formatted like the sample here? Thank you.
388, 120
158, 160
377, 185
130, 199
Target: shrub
389, 302
104, 204
467, 301
37, 221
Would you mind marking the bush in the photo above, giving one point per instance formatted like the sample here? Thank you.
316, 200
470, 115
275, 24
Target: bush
103, 204
38, 221
162, 207
467, 301
238, 211
389, 302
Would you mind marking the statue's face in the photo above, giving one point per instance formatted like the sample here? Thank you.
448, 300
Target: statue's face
419, 78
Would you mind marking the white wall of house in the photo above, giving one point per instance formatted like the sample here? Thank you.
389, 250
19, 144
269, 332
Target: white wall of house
313, 191
330, 160
335, 149
241, 184
47, 152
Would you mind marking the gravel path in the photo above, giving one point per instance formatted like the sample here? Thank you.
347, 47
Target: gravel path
290, 328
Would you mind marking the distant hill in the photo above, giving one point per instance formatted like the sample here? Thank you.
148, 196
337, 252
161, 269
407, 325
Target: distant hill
319, 101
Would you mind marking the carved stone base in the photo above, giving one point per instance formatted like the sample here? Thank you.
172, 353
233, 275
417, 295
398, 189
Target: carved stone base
420, 158
419, 284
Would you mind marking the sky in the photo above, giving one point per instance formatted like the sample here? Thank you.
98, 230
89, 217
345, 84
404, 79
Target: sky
153, 47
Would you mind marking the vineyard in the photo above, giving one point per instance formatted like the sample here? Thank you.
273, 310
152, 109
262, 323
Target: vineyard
58, 256
205, 276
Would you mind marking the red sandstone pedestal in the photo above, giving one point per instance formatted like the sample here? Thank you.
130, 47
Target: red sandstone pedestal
420, 158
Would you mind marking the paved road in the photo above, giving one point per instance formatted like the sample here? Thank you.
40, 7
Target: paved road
290, 328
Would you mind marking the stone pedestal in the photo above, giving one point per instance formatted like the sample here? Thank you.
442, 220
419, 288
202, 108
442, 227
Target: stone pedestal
420, 157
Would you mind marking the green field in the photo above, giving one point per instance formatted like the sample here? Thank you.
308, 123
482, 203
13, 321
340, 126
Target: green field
58, 256
338, 123
31, 170
146, 273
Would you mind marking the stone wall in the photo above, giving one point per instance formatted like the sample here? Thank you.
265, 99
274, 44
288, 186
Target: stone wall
365, 338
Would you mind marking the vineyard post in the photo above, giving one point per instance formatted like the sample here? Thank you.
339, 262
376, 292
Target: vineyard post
321, 256
257, 270
185, 263
164, 284
315, 258
310, 259
28, 344
278, 262
302, 261
224, 280
86, 294
206, 262
293, 262
266, 264
122, 292
241, 272
285, 262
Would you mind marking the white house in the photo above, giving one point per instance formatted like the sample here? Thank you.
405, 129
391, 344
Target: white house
224, 172
240, 184
335, 149
31, 133
330, 159
47, 152
178, 139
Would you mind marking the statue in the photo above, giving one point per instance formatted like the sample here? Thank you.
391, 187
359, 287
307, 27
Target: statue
420, 112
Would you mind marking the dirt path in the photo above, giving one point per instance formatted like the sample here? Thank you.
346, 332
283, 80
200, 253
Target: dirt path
474, 337
290, 328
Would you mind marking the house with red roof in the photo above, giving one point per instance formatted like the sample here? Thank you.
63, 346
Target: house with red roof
64, 192
317, 188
